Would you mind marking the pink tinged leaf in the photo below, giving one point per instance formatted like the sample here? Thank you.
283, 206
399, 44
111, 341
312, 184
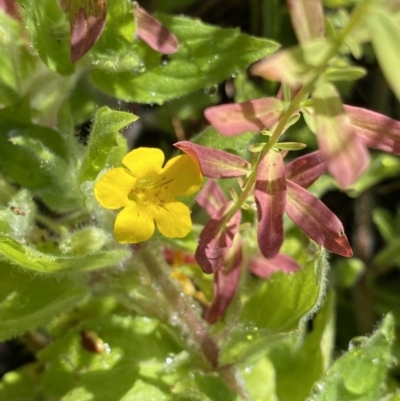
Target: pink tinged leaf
307, 18
306, 169
215, 163
87, 19
9, 7
215, 239
316, 220
345, 154
151, 31
254, 115
263, 267
211, 198
270, 197
375, 130
226, 280
294, 66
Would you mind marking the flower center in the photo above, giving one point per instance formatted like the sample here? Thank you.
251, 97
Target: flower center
151, 190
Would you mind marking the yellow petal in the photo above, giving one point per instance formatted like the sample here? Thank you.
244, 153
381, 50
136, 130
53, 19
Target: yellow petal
184, 175
133, 224
112, 189
173, 219
144, 162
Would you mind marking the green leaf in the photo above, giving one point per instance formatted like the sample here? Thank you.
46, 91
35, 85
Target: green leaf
392, 397
260, 380
16, 122
385, 37
17, 219
207, 55
83, 242
290, 145
333, 74
297, 366
347, 271
117, 153
359, 374
16, 63
31, 259
22, 384
136, 358
210, 137
381, 167
204, 387
48, 30
48, 175
116, 49
389, 256
383, 220
30, 301
276, 310
66, 131
103, 137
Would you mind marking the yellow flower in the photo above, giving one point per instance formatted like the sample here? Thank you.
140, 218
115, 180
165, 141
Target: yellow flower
147, 192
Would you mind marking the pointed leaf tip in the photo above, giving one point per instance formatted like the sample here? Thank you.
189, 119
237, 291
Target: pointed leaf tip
87, 20
253, 115
270, 196
151, 31
215, 163
316, 220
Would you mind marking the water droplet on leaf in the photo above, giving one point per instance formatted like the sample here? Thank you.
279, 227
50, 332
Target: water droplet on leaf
211, 90
357, 342
164, 60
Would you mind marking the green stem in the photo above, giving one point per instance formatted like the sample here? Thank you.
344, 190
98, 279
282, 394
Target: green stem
49, 223
194, 327
294, 105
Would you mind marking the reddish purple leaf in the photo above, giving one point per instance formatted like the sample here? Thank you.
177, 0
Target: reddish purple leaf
270, 196
211, 197
254, 115
226, 280
263, 267
215, 163
9, 7
307, 18
375, 130
345, 155
316, 220
215, 239
151, 31
86, 19
306, 169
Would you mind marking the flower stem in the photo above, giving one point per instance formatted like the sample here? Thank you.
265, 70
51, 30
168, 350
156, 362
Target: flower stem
294, 106
193, 326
